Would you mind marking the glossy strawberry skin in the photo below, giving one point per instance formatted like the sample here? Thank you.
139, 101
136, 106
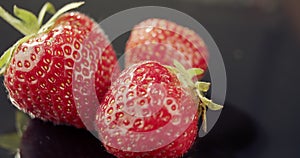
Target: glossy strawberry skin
48, 74
165, 41
147, 113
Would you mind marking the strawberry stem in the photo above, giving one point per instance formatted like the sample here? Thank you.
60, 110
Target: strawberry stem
186, 78
204, 119
47, 8
202, 87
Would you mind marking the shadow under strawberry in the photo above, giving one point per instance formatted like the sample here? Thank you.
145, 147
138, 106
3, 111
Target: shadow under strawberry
234, 132
42, 139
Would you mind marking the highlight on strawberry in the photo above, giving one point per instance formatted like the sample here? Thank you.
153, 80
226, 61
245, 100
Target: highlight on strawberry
52, 71
152, 110
165, 41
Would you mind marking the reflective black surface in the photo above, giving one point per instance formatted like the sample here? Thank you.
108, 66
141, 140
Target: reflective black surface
46, 140
227, 139
260, 47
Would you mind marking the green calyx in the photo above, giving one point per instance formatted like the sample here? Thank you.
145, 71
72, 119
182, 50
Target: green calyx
12, 141
25, 21
199, 88
29, 24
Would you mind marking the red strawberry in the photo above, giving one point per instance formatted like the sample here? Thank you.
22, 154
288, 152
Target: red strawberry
164, 41
151, 110
51, 72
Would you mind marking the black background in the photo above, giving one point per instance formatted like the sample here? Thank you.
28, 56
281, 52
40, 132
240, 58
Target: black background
260, 48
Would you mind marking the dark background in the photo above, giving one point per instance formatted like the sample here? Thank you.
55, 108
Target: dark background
259, 41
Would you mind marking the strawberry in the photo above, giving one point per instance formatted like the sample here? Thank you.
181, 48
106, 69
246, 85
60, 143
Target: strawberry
51, 72
164, 41
152, 110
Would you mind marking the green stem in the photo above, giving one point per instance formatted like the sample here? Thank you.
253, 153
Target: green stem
204, 120
47, 8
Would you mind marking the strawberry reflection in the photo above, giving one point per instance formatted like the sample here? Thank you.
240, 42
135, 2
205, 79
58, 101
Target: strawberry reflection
46, 140
233, 133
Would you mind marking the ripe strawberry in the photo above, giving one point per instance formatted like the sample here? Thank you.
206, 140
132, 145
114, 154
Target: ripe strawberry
164, 41
151, 110
51, 72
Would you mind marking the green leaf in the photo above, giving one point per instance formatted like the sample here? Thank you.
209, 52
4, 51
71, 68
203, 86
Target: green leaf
64, 9
207, 102
202, 86
185, 79
204, 100
47, 8
195, 72
179, 66
4, 60
10, 141
214, 106
21, 122
16, 23
28, 23
29, 20
172, 69
182, 80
